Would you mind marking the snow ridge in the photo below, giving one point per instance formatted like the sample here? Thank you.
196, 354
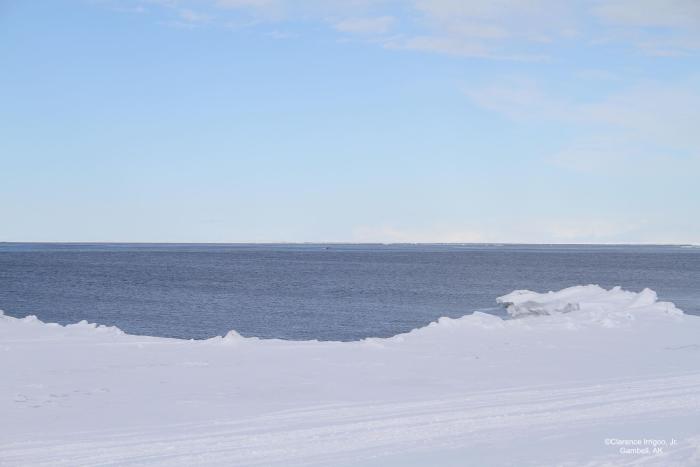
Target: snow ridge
569, 308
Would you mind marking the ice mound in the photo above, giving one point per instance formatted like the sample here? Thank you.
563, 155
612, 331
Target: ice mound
232, 337
587, 301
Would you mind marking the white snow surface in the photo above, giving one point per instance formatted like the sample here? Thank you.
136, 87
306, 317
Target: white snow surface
587, 303
577, 373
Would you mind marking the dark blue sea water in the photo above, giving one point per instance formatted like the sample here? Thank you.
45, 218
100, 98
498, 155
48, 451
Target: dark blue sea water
328, 292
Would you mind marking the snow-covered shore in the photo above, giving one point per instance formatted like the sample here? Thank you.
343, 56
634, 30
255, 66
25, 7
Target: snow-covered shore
583, 376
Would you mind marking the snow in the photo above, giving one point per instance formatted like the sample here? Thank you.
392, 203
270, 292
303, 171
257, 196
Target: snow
582, 376
586, 303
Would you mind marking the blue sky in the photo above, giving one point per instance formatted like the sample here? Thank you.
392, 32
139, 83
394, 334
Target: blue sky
356, 120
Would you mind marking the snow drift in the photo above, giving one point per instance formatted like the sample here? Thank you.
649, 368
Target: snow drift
587, 303
576, 369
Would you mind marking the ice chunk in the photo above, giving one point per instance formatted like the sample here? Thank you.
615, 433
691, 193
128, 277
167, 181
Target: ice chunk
589, 300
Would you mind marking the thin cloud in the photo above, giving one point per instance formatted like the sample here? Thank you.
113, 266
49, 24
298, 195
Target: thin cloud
378, 25
657, 27
647, 125
193, 17
506, 29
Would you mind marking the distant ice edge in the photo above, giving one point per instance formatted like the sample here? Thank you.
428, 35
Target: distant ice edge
569, 308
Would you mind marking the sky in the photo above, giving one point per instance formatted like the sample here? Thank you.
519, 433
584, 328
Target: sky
524, 121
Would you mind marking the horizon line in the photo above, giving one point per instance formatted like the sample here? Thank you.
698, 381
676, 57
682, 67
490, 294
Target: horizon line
347, 243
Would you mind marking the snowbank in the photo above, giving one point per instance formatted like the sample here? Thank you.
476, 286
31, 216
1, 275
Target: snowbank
578, 368
590, 303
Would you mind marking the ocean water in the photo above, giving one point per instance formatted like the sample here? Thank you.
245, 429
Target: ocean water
325, 292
